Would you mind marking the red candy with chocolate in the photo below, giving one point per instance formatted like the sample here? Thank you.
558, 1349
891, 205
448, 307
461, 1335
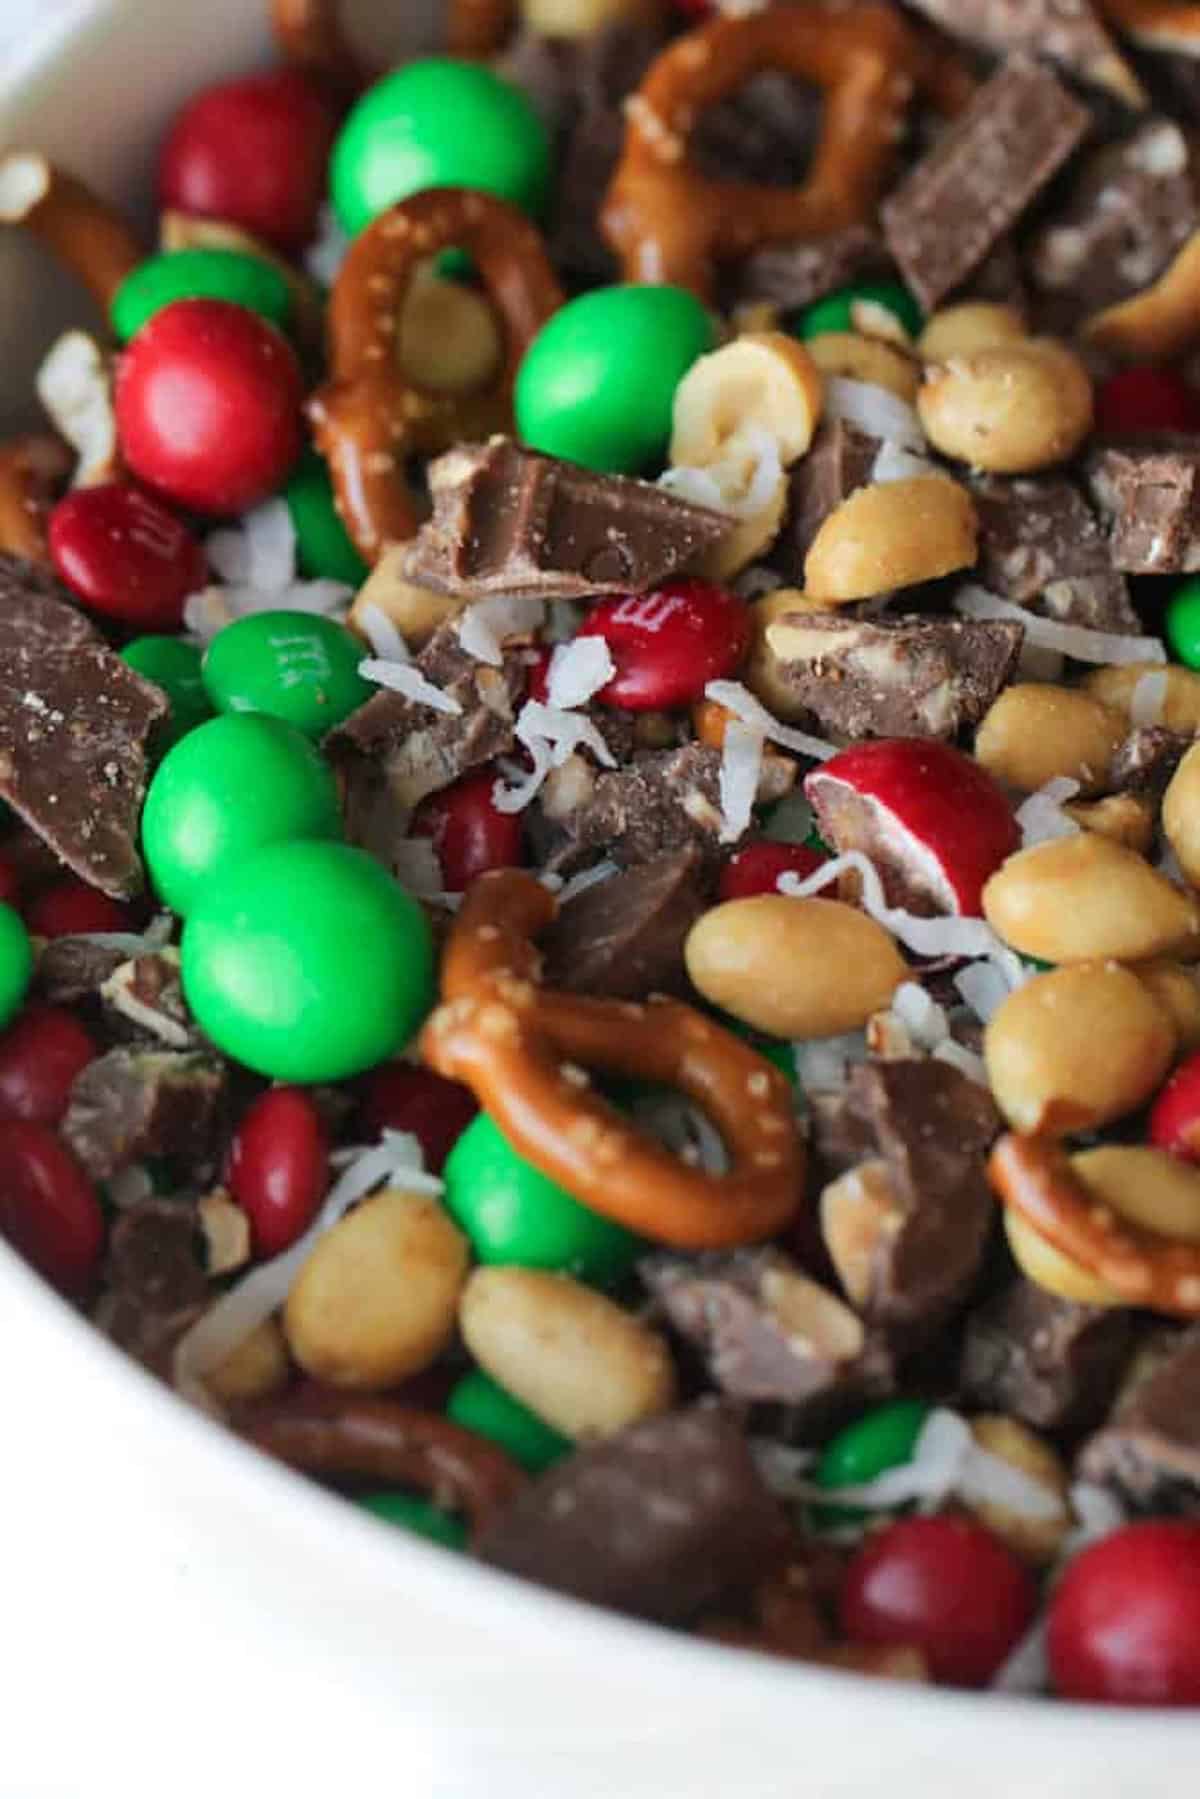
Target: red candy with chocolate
49, 1211
41, 1052
279, 1168
470, 834
667, 645
126, 555
1124, 1625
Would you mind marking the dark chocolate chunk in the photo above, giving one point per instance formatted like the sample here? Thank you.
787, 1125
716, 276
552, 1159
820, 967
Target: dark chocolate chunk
1130, 209
70, 969
74, 720
623, 937
666, 1518
1150, 493
1047, 1361
1069, 32
840, 461
1149, 1450
506, 520
893, 677
394, 751
969, 190
145, 1102
1147, 759
767, 1333
792, 275
155, 1283
1041, 545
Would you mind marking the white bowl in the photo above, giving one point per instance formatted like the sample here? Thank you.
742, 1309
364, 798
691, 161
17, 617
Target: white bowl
178, 1612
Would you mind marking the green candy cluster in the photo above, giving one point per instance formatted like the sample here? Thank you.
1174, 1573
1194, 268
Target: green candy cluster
840, 311
296, 666
881, 1439
199, 274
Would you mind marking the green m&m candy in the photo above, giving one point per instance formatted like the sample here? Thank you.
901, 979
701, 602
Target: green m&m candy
437, 122
411, 1512
597, 383
199, 275
293, 665
226, 789
175, 666
16, 963
513, 1213
323, 546
881, 1439
863, 308
1182, 623
480, 1404
306, 961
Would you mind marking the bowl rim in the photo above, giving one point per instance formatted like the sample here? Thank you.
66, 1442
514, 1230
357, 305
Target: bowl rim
336, 1533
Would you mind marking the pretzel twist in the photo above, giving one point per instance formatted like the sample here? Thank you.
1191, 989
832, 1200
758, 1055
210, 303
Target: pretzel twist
524, 1050
668, 222
33, 471
370, 414
85, 234
1166, 25
341, 1437
309, 34
1035, 1178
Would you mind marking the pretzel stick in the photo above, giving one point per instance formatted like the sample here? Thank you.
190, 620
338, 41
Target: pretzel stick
85, 234
340, 1437
32, 471
1037, 1180
523, 1050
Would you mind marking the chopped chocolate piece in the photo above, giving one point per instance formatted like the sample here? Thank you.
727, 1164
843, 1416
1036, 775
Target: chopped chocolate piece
146, 993
839, 1134
1150, 493
1149, 1450
1047, 1361
893, 677
155, 1282
662, 1520
969, 190
767, 1333
1147, 759
1131, 208
395, 751
840, 461
70, 969
1039, 540
139, 1102
1069, 32
74, 720
795, 274
624, 937
506, 520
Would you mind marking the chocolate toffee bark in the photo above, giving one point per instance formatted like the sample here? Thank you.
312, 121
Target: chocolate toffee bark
155, 1280
792, 275
1048, 1361
1042, 546
624, 937
138, 1102
1070, 33
1150, 495
1147, 759
1149, 1450
839, 461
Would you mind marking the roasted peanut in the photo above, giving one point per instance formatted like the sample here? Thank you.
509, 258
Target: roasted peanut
1178, 993
1181, 814
572, 1356
74, 385
448, 337
1181, 703
1047, 1267
257, 1368
1160, 321
764, 380
794, 968
809, 1314
1011, 408
1039, 1539
376, 1299
762, 673
858, 1210
1148, 1187
969, 326
1086, 899
1033, 732
752, 533
869, 359
1076, 1048
893, 534
416, 612
1127, 818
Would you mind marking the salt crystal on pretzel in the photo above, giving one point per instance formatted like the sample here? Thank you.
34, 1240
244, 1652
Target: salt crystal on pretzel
86, 235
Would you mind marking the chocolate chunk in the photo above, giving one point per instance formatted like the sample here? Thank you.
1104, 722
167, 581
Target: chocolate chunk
1131, 208
624, 937
1147, 759
155, 1283
840, 461
1149, 1450
792, 275
660, 1521
767, 1333
138, 1102
144, 997
71, 969
74, 721
508, 521
1069, 32
969, 190
394, 751
893, 677
1047, 1361
1041, 545
1150, 493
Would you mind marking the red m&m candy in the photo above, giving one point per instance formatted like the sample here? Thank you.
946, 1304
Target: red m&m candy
41, 1052
1124, 1624
1146, 398
279, 1167
470, 835
125, 555
667, 645
401, 1096
48, 1208
70, 908
757, 868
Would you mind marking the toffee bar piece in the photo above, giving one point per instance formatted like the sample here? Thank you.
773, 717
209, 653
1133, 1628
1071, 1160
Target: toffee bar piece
1150, 494
139, 1102
796, 274
1069, 32
1041, 545
969, 190
74, 721
838, 464
506, 520
1149, 1450
623, 937
893, 677
1050, 1362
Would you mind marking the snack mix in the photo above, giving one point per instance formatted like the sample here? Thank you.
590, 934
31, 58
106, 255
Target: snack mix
600, 737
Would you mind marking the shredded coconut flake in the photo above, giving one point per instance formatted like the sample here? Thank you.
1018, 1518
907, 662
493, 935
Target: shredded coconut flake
964, 1059
741, 702
578, 670
483, 627
983, 988
1076, 641
587, 877
944, 936
741, 765
824, 1063
875, 410
1041, 816
383, 634
741, 484
405, 678
325, 255
919, 1013
550, 734
896, 463
1147, 702
257, 565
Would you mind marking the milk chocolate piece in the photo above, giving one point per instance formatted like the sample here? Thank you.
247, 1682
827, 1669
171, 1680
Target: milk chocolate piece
840, 461
140, 1102
1047, 1361
1146, 760
792, 275
1150, 493
1149, 1450
143, 999
969, 190
508, 521
154, 1279
623, 937
1041, 545
661, 1521
893, 677
72, 969
74, 721
1069, 32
